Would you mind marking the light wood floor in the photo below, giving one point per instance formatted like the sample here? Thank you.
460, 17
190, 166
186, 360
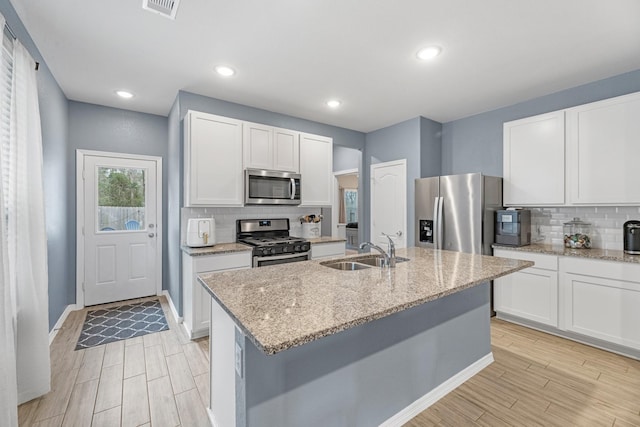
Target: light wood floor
542, 380
162, 379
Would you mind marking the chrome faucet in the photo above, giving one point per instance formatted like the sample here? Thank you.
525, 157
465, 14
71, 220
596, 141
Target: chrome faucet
389, 259
392, 251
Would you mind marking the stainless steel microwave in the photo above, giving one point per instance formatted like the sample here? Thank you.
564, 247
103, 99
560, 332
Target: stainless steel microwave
265, 187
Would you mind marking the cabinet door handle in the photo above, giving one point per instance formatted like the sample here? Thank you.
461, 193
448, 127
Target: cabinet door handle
151, 235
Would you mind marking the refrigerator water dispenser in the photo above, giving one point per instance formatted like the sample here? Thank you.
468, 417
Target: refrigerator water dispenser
426, 230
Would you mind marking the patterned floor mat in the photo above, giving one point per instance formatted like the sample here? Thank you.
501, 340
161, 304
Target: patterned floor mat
103, 326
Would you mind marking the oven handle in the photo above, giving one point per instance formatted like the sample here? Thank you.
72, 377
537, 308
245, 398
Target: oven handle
256, 259
293, 189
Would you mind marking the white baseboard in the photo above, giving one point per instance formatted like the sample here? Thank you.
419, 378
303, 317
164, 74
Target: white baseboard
177, 318
438, 393
68, 309
212, 418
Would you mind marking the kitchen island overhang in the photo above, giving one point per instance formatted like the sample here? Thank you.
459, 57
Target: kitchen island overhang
302, 344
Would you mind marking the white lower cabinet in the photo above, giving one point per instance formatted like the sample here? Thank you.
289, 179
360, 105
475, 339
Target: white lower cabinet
589, 300
531, 293
197, 302
602, 300
327, 250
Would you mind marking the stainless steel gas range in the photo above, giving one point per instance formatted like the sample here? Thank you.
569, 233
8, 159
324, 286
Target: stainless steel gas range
271, 241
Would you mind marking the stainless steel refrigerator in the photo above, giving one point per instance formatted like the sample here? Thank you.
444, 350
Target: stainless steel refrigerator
456, 212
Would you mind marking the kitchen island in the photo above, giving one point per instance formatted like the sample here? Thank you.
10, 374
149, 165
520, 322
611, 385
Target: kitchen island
304, 344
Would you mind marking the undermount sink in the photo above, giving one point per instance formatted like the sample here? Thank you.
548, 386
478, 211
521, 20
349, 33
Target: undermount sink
345, 265
376, 261
359, 263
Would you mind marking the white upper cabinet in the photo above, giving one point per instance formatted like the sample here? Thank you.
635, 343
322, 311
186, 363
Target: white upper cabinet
534, 161
257, 144
603, 148
316, 168
213, 160
286, 150
602, 145
266, 147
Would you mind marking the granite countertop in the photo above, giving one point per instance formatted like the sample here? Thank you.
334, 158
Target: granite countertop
287, 305
326, 239
219, 248
560, 250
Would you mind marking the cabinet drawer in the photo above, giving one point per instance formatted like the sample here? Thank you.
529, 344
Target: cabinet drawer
546, 262
222, 262
600, 268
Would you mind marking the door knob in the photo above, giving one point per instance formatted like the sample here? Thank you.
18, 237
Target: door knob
151, 234
399, 234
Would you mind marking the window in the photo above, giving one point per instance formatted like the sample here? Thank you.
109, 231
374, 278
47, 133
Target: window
121, 198
351, 205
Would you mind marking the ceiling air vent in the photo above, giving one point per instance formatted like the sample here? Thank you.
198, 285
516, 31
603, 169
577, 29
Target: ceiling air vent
166, 8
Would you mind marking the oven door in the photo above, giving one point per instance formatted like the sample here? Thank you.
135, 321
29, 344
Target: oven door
280, 259
271, 188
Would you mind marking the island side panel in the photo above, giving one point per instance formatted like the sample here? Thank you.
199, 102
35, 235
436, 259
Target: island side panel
222, 375
367, 374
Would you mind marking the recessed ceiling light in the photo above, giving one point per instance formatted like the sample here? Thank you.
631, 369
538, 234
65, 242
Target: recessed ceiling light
429, 52
225, 71
124, 94
334, 103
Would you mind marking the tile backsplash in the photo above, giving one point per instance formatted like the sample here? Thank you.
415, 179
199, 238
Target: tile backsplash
546, 224
226, 218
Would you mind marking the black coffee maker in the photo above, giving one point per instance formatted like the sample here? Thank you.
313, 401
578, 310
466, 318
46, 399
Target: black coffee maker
631, 230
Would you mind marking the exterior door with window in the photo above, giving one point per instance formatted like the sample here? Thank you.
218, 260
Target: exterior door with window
120, 229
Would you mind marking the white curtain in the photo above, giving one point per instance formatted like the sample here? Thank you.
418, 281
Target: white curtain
8, 382
27, 239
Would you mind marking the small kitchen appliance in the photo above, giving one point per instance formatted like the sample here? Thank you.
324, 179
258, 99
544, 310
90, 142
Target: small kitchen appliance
631, 231
513, 227
201, 232
271, 241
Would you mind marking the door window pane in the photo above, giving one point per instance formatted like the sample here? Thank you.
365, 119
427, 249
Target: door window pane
121, 199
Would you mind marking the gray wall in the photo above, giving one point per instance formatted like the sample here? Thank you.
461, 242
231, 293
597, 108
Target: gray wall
341, 136
400, 141
95, 127
430, 148
345, 158
53, 115
474, 144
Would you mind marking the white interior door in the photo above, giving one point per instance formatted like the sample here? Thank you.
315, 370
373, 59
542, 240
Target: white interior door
389, 202
120, 228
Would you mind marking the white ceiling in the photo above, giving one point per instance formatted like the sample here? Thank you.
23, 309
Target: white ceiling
293, 55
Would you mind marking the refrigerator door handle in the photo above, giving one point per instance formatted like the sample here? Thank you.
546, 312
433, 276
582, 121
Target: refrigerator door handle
440, 225
436, 221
